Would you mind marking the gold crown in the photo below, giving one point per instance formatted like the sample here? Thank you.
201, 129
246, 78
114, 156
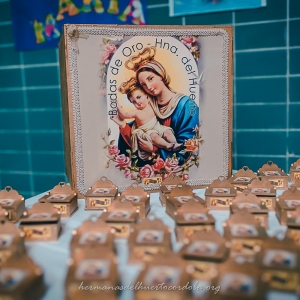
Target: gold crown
129, 86
137, 61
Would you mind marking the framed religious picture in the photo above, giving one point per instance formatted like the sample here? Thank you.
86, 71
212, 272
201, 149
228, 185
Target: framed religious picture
144, 103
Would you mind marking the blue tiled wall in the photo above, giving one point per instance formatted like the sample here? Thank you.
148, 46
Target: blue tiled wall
266, 94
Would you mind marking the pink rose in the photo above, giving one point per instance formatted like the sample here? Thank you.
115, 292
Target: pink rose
191, 145
188, 40
146, 171
172, 165
128, 173
185, 177
122, 161
159, 164
113, 150
111, 48
104, 57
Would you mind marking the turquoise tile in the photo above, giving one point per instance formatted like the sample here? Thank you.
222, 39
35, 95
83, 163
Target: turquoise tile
261, 143
294, 89
48, 163
155, 2
41, 56
294, 61
12, 120
46, 142
292, 160
261, 63
294, 33
294, 8
44, 98
13, 141
19, 182
6, 34
265, 116
9, 56
254, 163
44, 120
160, 16
260, 90
26, 195
41, 76
44, 183
260, 36
294, 113
293, 143
5, 14
209, 19
14, 162
275, 10
10, 78
11, 99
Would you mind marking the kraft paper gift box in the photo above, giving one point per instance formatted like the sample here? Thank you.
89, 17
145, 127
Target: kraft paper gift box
41, 222
192, 217
280, 262
242, 178
295, 171
139, 198
238, 281
63, 198
167, 186
264, 190
253, 205
286, 203
296, 184
120, 216
92, 232
293, 225
245, 234
219, 194
89, 271
11, 240
167, 269
179, 196
13, 203
147, 239
21, 279
199, 73
274, 174
101, 194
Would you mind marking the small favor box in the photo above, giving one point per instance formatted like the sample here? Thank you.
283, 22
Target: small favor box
120, 216
147, 239
286, 203
92, 232
41, 222
95, 270
238, 281
297, 184
11, 240
242, 178
138, 198
192, 217
20, 279
295, 171
219, 194
13, 203
293, 224
180, 195
279, 261
253, 205
63, 198
274, 174
167, 186
100, 195
244, 233
168, 270
264, 190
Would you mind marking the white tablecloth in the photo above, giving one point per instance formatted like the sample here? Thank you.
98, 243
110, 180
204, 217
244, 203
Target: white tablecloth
52, 256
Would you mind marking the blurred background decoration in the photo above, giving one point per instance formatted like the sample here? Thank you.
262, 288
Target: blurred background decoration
266, 92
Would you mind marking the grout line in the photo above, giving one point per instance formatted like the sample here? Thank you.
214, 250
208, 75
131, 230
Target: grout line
263, 49
260, 22
32, 152
264, 130
260, 103
263, 155
234, 144
8, 45
261, 77
287, 81
27, 131
16, 110
151, 6
31, 173
183, 21
23, 66
30, 88
4, 23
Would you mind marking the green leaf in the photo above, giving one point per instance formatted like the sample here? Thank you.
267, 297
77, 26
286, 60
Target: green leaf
197, 164
108, 132
105, 147
133, 156
128, 151
182, 152
136, 169
135, 162
112, 142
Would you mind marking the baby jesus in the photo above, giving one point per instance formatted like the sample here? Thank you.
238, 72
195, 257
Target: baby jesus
146, 125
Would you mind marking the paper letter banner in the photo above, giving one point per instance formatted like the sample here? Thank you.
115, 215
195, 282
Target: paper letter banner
37, 24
